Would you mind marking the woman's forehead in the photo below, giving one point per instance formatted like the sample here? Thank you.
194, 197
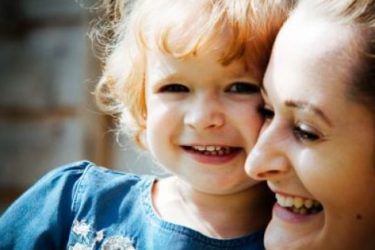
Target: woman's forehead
319, 44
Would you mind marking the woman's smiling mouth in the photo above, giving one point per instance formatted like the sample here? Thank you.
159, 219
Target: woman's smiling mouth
299, 205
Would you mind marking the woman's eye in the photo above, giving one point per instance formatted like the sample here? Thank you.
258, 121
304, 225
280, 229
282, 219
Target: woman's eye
243, 88
266, 112
305, 135
174, 88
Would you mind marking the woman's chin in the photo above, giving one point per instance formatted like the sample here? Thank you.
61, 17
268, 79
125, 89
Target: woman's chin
293, 231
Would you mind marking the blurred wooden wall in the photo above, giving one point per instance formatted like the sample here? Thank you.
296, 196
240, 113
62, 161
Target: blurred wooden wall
47, 113
47, 71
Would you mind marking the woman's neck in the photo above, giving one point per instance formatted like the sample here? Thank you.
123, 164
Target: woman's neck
214, 215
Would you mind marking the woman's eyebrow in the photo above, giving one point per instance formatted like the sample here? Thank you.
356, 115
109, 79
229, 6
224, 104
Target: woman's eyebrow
308, 107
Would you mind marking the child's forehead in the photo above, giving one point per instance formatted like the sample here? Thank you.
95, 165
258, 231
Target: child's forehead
186, 39
189, 40
202, 60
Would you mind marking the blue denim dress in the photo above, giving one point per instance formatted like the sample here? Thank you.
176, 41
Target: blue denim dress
81, 206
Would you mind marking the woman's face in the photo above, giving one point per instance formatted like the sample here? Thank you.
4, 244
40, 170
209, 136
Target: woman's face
317, 147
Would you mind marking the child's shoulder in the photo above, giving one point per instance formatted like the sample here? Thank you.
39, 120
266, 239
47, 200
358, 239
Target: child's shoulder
70, 185
47, 213
90, 181
90, 173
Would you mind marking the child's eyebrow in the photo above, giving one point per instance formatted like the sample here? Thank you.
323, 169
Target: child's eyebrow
243, 73
168, 77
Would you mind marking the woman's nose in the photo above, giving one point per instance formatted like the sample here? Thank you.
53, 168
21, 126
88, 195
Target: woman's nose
269, 158
205, 112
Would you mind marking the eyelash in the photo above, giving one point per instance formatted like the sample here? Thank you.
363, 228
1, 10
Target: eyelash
238, 87
266, 113
242, 88
174, 88
299, 132
305, 135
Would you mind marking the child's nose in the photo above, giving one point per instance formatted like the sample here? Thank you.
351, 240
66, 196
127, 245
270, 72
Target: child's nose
268, 160
205, 112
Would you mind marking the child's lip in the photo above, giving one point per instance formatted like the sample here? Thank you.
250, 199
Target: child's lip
207, 144
212, 154
211, 148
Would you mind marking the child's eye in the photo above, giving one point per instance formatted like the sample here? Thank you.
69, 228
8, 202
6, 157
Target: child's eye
174, 87
242, 88
266, 112
305, 134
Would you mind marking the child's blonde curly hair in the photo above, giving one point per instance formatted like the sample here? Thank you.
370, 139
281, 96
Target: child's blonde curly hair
130, 28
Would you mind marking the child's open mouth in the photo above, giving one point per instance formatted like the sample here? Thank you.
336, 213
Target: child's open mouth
212, 150
299, 205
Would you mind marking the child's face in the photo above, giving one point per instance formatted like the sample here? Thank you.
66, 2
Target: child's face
202, 119
319, 145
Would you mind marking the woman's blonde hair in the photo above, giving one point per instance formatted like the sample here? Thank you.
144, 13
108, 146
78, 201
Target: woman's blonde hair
129, 28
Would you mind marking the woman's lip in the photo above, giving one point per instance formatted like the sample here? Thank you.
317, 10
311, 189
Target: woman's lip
291, 195
286, 215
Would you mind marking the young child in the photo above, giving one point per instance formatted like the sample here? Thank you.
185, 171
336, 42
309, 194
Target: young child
184, 78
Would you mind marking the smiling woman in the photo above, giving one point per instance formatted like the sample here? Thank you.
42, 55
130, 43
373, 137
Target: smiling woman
317, 147
183, 76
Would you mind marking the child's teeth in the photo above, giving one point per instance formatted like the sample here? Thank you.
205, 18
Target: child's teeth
212, 150
200, 148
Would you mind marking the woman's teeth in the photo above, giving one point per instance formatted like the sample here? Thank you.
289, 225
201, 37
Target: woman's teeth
214, 150
298, 204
